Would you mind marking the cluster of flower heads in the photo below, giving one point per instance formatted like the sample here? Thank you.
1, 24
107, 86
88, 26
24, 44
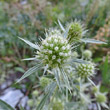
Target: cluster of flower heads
55, 49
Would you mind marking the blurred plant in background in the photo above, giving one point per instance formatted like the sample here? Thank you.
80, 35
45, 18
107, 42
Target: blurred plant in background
103, 34
18, 19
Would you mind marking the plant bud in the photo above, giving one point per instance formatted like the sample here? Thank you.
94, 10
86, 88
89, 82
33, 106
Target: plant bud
94, 89
35, 93
30, 102
75, 32
44, 81
87, 54
101, 98
58, 106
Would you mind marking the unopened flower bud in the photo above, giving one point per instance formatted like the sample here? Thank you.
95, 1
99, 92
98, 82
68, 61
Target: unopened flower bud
30, 102
87, 54
44, 81
101, 98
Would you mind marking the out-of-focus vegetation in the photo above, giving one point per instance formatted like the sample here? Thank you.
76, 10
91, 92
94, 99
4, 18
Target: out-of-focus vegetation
29, 18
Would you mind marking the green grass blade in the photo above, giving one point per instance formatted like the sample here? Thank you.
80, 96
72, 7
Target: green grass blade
105, 70
5, 106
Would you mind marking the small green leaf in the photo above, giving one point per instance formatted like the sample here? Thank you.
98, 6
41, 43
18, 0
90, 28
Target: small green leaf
19, 69
5, 106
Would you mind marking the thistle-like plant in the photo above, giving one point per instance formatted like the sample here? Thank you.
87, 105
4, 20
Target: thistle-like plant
54, 55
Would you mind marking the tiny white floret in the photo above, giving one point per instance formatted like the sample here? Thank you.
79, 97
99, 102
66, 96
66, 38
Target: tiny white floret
46, 44
62, 41
53, 57
59, 60
66, 54
46, 57
51, 45
55, 40
63, 48
60, 53
49, 39
50, 51
56, 48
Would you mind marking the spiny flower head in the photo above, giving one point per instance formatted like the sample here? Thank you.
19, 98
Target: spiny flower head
54, 50
87, 54
35, 93
101, 98
75, 32
30, 102
94, 89
75, 54
44, 81
58, 105
85, 70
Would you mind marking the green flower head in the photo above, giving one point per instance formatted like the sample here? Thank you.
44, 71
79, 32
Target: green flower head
35, 93
85, 70
95, 89
101, 98
54, 50
30, 102
75, 32
87, 54
44, 81
58, 105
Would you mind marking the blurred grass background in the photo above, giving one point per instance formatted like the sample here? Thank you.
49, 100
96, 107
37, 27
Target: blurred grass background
29, 18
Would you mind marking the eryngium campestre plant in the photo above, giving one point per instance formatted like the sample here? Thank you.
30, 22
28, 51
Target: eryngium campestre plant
54, 55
